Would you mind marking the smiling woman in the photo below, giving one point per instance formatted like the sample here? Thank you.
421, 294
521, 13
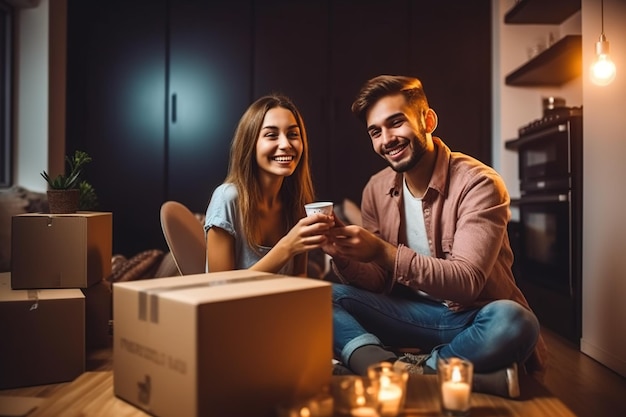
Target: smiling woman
279, 146
256, 218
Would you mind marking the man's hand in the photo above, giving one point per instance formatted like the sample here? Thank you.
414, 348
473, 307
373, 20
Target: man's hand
356, 243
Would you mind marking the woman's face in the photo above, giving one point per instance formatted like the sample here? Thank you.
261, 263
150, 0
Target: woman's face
279, 145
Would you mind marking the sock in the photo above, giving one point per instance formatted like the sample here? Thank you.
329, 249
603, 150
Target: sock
503, 382
368, 355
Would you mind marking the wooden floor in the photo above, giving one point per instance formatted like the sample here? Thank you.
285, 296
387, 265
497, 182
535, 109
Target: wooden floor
586, 386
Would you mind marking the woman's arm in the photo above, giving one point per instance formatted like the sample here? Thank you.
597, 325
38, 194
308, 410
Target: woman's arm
220, 253
306, 235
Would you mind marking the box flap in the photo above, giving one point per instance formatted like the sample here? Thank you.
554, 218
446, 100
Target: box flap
211, 287
8, 294
77, 214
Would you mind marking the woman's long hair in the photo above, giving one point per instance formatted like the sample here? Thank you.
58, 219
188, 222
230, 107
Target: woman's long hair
296, 190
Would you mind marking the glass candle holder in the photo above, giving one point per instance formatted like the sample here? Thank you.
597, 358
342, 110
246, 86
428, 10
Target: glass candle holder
455, 386
355, 396
320, 405
391, 387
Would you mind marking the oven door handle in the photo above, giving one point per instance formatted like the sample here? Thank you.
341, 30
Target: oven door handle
549, 198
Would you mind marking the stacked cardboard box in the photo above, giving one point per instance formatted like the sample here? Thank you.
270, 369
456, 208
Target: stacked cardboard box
42, 335
54, 299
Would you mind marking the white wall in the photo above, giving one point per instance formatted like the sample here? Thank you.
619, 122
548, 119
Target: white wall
604, 223
604, 167
32, 90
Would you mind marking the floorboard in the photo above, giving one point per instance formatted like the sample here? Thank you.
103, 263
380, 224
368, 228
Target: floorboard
587, 387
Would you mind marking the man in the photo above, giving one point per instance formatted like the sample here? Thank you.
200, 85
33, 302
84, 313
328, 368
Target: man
431, 266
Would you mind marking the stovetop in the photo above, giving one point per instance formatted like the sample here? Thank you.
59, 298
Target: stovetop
551, 117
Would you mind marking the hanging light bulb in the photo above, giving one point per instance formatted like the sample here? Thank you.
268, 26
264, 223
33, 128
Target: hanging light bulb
603, 69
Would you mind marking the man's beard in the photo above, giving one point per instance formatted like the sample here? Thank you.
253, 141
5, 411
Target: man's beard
416, 156
405, 165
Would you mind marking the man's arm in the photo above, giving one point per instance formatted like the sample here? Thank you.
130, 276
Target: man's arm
469, 247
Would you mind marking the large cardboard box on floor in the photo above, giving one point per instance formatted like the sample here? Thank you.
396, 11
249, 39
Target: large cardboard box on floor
42, 335
60, 250
220, 344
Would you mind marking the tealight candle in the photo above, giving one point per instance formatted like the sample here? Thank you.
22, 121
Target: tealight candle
389, 396
455, 383
391, 387
455, 393
355, 396
363, 412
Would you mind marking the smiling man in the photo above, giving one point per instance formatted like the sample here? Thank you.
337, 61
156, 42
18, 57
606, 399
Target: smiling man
431, 267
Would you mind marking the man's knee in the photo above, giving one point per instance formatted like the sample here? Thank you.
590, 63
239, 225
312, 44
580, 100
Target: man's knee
341, 290
513, 317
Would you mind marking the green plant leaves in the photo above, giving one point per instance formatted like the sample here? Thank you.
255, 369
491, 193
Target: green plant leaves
88, 198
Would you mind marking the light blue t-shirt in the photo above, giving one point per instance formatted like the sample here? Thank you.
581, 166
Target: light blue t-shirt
224, 213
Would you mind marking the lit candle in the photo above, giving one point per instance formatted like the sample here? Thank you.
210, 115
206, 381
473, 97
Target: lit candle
389, 396
455, 393
363, 412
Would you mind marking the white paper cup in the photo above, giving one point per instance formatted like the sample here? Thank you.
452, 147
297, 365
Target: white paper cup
324, 207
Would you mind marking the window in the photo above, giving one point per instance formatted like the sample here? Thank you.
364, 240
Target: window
6, 36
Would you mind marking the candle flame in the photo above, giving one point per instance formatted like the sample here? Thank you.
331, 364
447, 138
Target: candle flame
456, 374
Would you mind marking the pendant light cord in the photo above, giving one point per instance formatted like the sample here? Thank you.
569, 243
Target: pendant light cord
602, 14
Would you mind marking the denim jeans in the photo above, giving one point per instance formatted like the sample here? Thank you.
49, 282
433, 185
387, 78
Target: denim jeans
491, 337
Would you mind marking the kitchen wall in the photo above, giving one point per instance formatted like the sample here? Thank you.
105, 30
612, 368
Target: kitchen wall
604, 233
604, 229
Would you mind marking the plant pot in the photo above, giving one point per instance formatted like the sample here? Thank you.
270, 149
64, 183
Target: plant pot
63, 201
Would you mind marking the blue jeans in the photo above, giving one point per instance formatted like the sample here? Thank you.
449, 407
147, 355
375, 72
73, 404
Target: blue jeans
491, 337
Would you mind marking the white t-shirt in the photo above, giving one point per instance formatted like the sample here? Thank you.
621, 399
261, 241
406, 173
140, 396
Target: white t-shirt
416, 237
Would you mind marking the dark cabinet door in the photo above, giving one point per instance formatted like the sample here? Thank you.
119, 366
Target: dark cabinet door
291, 57
209, 85
115, 110
155, 89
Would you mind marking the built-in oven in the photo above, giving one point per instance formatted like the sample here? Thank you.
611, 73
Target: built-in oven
547, 236
546, 230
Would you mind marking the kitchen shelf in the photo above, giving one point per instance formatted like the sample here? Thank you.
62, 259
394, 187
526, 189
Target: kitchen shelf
555, 66
541, 11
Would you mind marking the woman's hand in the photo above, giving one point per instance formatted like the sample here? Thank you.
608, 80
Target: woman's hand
308, 234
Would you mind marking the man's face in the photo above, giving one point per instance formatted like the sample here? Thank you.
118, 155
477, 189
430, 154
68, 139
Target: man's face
398, 134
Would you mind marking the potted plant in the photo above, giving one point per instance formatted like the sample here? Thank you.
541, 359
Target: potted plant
68, 193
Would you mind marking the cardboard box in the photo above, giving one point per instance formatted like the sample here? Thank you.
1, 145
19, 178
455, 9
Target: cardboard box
98, 315
219, 344
60, 250
42, 335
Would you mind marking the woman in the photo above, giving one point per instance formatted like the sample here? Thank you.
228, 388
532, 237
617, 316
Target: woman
256, 218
